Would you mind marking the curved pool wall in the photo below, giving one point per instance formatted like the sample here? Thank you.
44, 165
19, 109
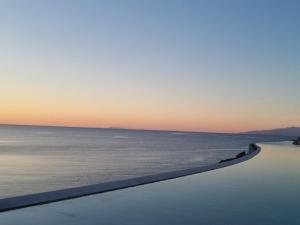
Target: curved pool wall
69, 193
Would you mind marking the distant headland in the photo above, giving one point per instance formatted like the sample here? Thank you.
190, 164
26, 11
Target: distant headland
288, 131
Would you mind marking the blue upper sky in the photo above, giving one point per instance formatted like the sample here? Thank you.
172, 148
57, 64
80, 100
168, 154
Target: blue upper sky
191, 65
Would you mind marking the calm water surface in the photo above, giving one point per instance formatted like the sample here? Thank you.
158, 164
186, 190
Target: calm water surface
37, 159
261, 191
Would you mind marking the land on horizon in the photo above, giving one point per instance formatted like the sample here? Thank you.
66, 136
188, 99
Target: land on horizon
287, 131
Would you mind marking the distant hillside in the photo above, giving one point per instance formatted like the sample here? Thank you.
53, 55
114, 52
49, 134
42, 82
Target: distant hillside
289, 131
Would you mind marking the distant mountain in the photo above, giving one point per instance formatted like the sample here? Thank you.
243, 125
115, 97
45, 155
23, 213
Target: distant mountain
288, 131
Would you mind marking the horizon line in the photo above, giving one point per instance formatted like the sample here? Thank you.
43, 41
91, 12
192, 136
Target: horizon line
139, 129
117, 128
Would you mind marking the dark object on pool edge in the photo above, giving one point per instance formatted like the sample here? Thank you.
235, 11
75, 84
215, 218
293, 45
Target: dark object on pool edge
241, 154
297, 141
252, 148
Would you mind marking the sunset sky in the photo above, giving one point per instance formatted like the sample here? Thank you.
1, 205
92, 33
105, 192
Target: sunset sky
222, 66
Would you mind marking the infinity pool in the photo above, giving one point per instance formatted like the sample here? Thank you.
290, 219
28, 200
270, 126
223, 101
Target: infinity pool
262, 190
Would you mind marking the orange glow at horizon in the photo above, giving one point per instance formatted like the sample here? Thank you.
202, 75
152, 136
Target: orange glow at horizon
128, 110
158, 119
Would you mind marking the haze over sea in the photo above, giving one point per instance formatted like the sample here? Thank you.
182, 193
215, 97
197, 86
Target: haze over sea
37, 159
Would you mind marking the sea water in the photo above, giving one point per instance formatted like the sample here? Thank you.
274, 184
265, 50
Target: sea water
38, 159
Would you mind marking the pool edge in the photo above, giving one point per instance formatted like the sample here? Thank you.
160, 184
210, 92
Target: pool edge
18, 202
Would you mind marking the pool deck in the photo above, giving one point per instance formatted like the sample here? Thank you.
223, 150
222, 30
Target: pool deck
263, 190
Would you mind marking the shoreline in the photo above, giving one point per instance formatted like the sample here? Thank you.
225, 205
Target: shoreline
17, 202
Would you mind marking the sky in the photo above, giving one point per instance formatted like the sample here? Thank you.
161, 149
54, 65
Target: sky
214, 65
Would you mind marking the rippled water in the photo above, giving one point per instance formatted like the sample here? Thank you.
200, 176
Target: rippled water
37, 159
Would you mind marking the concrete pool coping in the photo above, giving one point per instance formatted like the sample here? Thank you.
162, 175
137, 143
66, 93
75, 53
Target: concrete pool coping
17, 202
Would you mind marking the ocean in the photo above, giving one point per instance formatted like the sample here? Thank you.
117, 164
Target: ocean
38, 159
